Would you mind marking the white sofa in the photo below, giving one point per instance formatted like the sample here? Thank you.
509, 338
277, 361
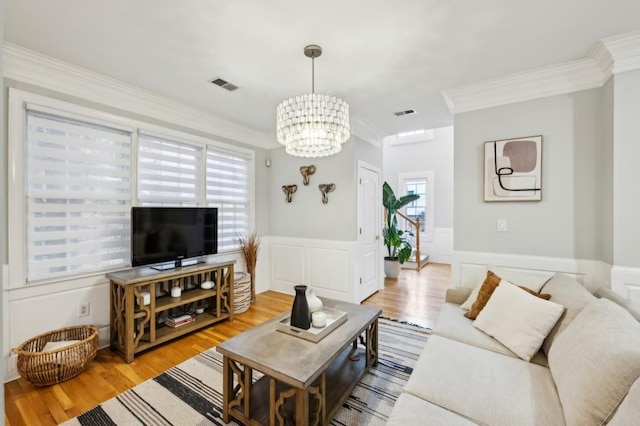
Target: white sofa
585, 373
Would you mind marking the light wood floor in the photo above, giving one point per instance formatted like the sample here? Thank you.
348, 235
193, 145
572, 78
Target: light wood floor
416, 297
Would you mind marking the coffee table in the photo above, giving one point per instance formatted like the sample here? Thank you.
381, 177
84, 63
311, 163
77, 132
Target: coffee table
303, 382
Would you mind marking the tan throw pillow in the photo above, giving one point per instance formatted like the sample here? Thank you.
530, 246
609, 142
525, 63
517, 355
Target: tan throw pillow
486, 290
517, 320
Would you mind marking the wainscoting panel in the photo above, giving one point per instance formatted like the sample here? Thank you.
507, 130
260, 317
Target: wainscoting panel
329, 270
288, 263
626, 282
327, 266
468, 268
440, 250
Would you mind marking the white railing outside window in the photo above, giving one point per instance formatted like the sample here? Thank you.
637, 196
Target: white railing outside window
78, 197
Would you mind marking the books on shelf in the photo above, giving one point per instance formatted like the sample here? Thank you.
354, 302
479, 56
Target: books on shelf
179, 320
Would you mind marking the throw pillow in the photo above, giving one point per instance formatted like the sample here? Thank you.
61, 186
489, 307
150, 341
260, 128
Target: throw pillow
517, 319
533, 280
486, 290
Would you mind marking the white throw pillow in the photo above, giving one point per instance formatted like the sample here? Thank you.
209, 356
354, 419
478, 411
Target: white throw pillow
472, 297
517, 319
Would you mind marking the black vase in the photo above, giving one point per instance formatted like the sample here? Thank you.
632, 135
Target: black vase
300, 315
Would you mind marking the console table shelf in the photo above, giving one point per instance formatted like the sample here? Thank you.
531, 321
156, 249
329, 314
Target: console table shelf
136, 326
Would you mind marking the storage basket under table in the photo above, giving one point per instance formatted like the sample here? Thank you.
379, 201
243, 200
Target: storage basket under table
50, 367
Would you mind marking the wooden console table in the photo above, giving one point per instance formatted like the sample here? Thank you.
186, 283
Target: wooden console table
136, 327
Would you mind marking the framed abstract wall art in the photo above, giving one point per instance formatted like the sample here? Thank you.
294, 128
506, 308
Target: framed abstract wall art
513, 169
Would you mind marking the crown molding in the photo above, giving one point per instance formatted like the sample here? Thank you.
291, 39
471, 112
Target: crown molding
33, 68
367, 132
608, 56
624, 50
553, 80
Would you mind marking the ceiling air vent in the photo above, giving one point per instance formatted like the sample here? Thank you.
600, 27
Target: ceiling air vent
405, 112
224, 84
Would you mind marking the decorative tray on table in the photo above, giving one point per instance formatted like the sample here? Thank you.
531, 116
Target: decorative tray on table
334, 319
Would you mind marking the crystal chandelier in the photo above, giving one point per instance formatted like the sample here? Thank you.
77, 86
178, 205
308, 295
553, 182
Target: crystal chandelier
313, 125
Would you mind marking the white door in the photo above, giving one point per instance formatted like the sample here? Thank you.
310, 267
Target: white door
369, 230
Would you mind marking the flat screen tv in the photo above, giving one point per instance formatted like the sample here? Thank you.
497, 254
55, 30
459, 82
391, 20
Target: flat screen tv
166, 236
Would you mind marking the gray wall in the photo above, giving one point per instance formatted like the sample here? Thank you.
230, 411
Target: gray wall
626, 161
306, 216
605, 165
567, 222
436, 156
3, 204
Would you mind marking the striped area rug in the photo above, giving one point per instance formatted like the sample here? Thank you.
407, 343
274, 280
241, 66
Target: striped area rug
191, 392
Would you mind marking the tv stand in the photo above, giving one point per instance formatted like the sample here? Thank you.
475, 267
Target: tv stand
136, 327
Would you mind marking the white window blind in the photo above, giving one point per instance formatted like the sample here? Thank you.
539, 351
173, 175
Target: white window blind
228, 189
169, 172
78, 195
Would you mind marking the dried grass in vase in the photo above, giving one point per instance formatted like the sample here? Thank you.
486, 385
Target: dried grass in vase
250, 245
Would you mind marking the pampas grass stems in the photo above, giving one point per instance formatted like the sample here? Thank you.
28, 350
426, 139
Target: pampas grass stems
250, 246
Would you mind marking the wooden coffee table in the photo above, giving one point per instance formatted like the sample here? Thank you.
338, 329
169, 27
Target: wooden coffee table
303, 382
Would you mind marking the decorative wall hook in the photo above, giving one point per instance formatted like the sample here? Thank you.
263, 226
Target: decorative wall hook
288, 191
307, 171
326, 188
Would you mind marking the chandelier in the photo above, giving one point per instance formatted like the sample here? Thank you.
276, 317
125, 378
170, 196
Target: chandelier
312, 125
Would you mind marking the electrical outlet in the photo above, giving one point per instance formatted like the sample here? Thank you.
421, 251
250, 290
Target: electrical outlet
83, 309
502, 225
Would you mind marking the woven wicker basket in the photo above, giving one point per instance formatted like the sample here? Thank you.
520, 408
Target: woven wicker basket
51, 367
241, 292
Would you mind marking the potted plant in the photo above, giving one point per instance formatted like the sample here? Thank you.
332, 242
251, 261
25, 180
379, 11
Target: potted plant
398, 247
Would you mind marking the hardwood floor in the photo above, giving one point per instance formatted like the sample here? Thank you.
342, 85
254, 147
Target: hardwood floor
416, 297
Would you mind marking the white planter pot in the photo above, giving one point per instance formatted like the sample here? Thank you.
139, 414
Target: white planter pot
391, 268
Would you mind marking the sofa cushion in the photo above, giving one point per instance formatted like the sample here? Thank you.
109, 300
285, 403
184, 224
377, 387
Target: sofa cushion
517, 319
453, 325
569, 293
484, 386
594, 362
628, 413
410, 410
607, 293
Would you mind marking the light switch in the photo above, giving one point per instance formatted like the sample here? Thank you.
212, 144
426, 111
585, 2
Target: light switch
502, 225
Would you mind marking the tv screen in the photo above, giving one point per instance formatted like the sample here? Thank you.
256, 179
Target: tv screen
171, 234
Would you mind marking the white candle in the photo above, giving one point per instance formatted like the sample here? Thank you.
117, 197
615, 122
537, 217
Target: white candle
319, 319
176, 292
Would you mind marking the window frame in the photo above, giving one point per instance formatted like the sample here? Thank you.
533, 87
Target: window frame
429, 176
18, 103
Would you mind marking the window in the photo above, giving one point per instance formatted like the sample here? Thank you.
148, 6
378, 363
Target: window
169, 173
228, 189
75, 173
78, 196
421, 183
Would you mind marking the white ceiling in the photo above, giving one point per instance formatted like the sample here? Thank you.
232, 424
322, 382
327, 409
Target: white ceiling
378, 55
